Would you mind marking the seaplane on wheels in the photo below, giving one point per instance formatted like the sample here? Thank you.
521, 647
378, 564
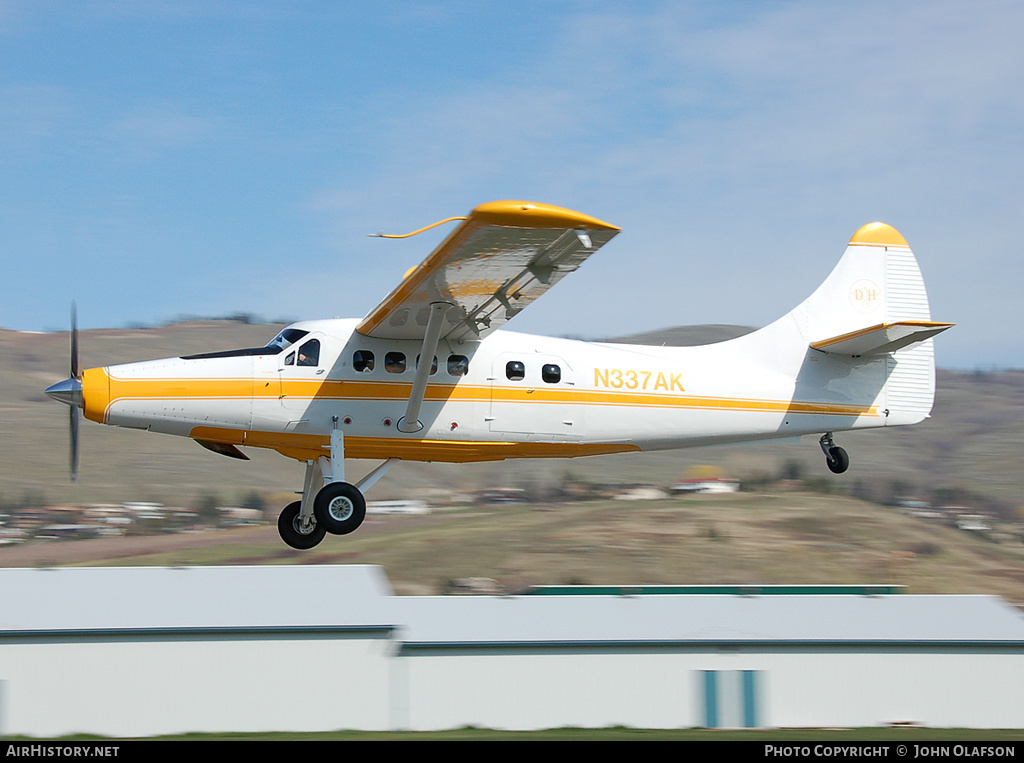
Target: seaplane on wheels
428, 375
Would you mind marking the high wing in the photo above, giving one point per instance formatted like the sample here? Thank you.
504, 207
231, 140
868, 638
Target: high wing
502, 257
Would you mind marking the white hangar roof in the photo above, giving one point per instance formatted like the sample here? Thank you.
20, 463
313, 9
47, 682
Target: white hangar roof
709, 619
359, 597
91, 599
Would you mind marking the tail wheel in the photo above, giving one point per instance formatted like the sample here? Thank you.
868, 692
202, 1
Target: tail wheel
837, 459
294, 533
339, 508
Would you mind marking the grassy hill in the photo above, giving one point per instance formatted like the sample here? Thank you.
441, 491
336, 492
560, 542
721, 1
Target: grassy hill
747, 538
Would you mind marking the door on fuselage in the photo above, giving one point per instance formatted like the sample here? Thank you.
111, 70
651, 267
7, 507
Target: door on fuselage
302, 370
534, 394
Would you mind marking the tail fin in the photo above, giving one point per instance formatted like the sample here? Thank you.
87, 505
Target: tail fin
873, 307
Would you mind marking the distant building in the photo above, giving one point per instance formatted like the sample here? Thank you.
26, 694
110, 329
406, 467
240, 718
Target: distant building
713, 485
145, 510
706, 479
240, 515
397, 507
973, 523
641, 494
11, 535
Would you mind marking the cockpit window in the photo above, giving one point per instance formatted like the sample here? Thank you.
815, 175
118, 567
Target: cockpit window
285, 338
309, 353
278, 343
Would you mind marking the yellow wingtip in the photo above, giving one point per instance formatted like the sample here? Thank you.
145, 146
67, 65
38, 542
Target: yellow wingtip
532, 214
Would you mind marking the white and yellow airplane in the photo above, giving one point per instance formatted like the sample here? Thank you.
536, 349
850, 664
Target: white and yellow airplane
427, 375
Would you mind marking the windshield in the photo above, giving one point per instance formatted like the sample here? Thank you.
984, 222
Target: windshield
278, 343
285, 338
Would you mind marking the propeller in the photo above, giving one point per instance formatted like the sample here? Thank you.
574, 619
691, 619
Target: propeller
74, 342
69, 392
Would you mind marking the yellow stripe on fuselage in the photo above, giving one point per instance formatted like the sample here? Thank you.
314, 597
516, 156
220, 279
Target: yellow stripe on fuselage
354, 390
304, 447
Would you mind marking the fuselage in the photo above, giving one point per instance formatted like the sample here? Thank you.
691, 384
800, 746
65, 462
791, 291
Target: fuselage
508, 395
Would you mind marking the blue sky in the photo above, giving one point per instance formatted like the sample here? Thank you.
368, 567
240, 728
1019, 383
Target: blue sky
160, 159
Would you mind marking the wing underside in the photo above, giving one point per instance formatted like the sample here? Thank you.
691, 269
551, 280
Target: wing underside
499, 260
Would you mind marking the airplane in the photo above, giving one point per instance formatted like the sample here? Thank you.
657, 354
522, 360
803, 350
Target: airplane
431, 375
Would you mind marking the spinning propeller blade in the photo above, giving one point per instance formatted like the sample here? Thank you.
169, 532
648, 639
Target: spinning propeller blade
74, 342
69, 392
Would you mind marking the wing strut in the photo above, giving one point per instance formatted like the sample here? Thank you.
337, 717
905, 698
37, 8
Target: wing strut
410, 422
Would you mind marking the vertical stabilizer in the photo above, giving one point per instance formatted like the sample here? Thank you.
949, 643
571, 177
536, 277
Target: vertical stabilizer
873, 308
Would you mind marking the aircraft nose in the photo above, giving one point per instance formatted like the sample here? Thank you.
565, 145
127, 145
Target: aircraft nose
68, 391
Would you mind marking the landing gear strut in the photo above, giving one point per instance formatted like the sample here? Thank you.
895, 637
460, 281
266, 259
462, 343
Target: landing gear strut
329, 504
837, 460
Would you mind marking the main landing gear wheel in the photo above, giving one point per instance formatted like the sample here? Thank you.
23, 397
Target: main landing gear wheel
294, 533
837, 459
339, 508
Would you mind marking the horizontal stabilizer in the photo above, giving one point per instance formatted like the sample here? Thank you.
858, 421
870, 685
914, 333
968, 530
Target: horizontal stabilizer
880, 339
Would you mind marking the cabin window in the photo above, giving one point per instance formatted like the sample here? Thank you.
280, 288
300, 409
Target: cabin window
433, 365
309, 353
290, 360
394, 362
362, 361
551, 373
458, 365
515, 370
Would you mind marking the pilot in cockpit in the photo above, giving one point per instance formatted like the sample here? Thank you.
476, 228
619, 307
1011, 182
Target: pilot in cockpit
309, 353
